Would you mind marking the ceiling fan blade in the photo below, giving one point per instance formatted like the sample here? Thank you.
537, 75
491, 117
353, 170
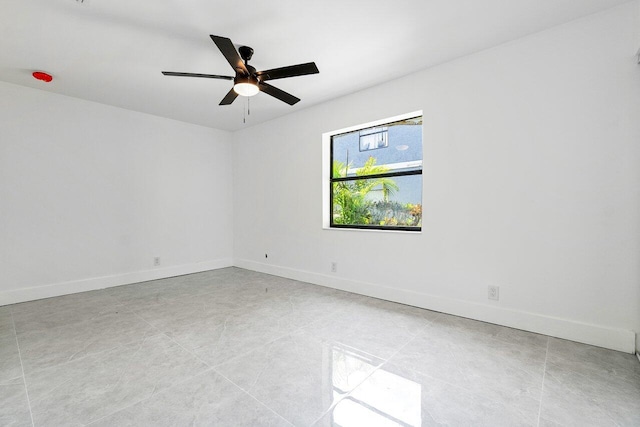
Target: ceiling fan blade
229, 97
207, 76
230, 53
290, 71
278, 93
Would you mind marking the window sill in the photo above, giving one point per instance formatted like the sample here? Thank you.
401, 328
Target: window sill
369, 230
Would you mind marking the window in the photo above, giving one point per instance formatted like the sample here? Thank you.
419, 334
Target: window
375, 175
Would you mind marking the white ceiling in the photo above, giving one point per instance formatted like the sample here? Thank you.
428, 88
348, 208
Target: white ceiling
112, 51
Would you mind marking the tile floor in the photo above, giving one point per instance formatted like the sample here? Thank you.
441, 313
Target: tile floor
233, 347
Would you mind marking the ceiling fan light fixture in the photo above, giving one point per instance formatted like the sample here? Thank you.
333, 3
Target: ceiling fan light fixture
245, 86
248, 81
246, 89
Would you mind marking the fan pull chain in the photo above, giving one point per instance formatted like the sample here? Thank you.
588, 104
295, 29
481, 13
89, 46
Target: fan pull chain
246, 111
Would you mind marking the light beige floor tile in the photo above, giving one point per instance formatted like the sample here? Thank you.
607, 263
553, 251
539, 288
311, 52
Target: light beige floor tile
179, 313
61, 311
44, 348
509, 373
586, 385
6, 322
219, 338
206, 400
10, 366
292, 351
393, 396
298, 376
14, 408
87, 389
377, 327
588, 359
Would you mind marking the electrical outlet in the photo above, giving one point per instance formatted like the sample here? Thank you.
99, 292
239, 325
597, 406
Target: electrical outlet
494, 293
156, 261
334, 267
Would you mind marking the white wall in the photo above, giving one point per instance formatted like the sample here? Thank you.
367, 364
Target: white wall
531, 182
90, 194
638, 255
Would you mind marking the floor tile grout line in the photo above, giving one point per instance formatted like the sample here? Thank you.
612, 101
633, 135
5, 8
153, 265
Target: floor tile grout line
253, 397
96, 354
173, 340
544, 374
131, 310
160, 332
580, 394
280, 336
494, 339
426, 325
246, 352
301, 330
414, 337
24, 378
491, 338
519, 368
213, 368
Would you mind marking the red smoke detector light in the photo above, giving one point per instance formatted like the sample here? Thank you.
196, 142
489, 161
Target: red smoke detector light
42, 76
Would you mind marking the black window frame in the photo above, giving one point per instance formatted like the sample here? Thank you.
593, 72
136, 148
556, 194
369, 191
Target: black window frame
333, 180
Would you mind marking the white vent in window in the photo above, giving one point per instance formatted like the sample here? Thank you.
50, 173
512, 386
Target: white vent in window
374, 138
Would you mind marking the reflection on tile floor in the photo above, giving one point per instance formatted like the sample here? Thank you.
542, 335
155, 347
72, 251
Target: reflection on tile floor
233, 347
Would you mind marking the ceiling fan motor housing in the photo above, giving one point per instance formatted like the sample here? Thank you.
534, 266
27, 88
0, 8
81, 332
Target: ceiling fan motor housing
245, 53
252, 79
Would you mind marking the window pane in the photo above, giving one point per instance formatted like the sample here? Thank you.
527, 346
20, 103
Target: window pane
388, 202
394, 147
374, 138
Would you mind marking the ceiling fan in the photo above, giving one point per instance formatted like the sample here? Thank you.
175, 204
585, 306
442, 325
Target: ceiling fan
248, 81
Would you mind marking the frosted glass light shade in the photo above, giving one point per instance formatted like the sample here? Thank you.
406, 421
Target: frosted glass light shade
246, 89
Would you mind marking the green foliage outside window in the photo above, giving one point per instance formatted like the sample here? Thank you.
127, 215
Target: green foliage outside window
352, 206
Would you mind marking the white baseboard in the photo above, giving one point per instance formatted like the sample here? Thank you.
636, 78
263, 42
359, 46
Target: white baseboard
615, 339
91, 284
611, 338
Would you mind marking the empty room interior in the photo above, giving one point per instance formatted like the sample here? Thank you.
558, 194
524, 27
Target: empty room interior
320, 213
